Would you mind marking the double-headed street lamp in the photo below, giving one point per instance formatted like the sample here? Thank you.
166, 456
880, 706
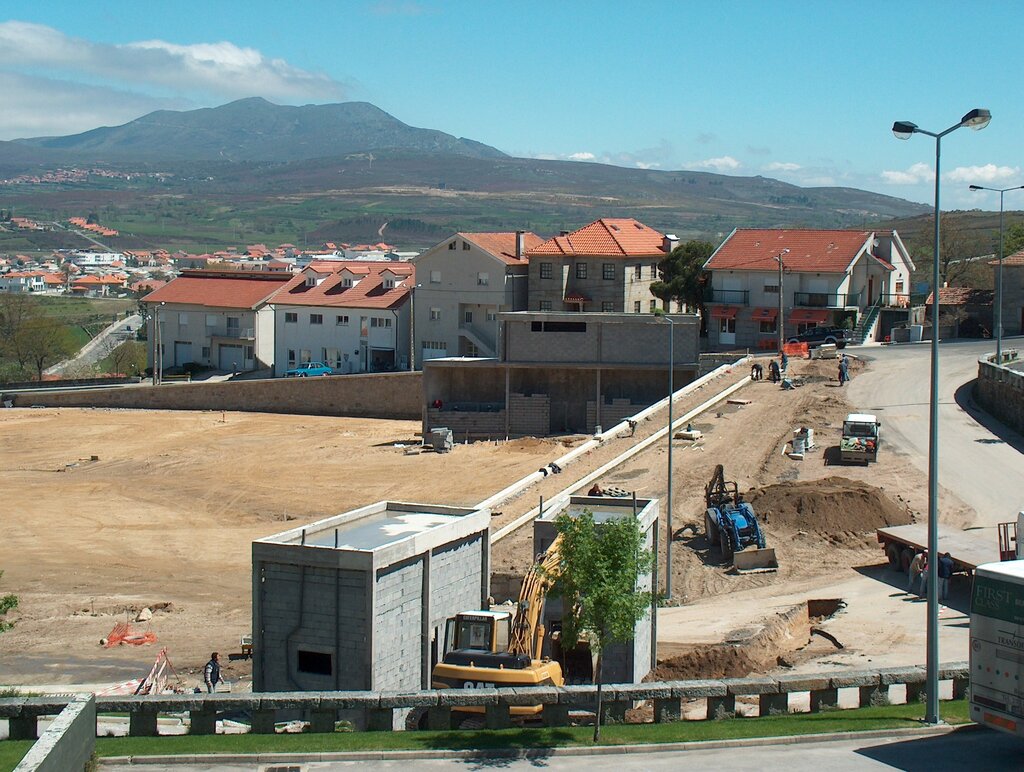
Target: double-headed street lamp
976, 119
999, 271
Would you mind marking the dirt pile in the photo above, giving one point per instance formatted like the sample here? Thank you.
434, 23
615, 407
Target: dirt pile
828, 506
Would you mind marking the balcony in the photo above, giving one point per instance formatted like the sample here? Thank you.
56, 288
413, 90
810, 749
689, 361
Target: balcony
733, 297
825, 299
234, 333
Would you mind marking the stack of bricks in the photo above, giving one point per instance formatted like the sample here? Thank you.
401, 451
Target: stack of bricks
530, 415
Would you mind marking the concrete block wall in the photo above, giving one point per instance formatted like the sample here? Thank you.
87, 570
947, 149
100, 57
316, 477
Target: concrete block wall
313, 608
467, 424
397, 626
1000, 391
379, 395
455, 581
613, 412
529, 415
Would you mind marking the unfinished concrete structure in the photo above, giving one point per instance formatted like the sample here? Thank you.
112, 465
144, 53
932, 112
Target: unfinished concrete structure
359, 600
560, 373
623, 663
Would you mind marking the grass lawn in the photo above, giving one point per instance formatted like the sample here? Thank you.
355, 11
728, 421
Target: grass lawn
11, 752
881, 717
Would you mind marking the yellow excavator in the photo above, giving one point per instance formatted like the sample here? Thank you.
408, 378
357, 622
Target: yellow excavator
487, 649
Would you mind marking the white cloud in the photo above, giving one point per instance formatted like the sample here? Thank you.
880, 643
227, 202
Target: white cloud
584, 156
989, 173
148, 74
918, 173
723, 164
647, 165
781, 166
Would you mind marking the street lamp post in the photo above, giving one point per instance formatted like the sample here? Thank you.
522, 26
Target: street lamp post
999, 270
668, 518
976, 119
782, 321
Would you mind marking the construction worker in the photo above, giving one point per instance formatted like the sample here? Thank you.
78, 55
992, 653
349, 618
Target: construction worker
211, 673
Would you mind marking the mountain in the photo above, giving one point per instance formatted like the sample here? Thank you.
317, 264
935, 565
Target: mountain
255, 130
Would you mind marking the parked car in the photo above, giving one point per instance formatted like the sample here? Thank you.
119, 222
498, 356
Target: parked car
309, 369
815, 336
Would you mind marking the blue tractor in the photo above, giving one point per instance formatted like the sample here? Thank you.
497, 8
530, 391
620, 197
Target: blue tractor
731, 525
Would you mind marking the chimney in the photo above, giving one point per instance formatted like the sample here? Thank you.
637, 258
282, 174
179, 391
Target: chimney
670, 242
519, 244
564, 233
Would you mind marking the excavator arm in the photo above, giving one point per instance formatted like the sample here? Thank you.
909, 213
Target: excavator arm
527, 634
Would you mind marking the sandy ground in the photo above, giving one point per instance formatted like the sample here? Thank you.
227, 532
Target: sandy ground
167, 513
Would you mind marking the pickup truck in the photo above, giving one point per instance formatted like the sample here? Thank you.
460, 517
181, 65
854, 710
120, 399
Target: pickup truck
860, 438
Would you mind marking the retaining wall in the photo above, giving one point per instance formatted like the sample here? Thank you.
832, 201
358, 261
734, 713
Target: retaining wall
68, 742
377, 395
1000, 391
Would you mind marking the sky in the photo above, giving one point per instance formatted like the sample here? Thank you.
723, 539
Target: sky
804, 92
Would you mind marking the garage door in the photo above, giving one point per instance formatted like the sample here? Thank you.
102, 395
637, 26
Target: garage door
182, 353
230, 358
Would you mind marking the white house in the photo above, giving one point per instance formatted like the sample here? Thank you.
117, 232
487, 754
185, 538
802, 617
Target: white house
352, 315
220, 319
827, 276
23, 281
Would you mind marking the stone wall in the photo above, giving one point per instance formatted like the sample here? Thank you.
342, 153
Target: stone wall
378, 395
1000, 391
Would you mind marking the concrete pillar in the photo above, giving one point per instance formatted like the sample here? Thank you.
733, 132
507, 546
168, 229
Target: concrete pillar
202, 721
22, 728
555, 714
262, 722
321, 721
722, 707
773, 704
497, 716
667, 709
439, 718
824, 699
380, 719
142, 723
614, 711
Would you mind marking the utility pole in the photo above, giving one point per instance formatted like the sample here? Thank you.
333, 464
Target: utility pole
782, 321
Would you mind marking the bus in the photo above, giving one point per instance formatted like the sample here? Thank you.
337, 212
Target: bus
997, 646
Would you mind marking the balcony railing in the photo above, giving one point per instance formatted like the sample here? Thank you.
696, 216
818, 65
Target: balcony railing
237, 333
826, 299
734, 297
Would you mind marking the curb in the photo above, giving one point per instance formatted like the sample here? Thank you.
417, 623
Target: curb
532, 753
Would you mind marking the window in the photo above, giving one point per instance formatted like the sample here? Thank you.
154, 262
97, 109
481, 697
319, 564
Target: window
803, 327
310, 281
233, 324
546, 271
654, 270
654, 306
348, 282
435, 276
468, 317
389, 284
451, 245
248, 352
482, 279
545, 305
375, 322
211, 320
636, 306
315, 662
435, 314
638, 271
206, 352
291, 357
771, 289
727, 325
465, 246
607, 306
608, 271
492, 315
341, 321
558, 326
316, 318
768, 327
291, 317
306, 355
581, 270
899, 288
183, 320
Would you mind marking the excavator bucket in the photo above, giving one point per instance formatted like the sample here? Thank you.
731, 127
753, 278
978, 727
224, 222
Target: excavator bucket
755, 560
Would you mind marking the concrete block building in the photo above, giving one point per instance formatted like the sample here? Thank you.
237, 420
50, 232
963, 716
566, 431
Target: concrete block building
625, 662
561, 373
359, 600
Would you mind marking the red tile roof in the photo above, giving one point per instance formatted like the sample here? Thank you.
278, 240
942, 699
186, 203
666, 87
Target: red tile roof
1016, 258
755, 249
368, 292
607, 237
220, 289
962, 296
503, 245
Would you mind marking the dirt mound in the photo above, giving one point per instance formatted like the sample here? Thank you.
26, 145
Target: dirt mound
828, 506
719, 661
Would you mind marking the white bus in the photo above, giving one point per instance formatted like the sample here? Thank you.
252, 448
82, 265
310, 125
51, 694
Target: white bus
997, 646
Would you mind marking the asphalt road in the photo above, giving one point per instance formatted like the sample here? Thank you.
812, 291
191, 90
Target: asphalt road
983, 466
971, 748
96, 349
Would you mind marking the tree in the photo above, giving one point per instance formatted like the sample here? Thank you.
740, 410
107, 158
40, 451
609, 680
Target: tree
45, 341
1013, 239
125, 357
957, 249
597, 580
682, 274
7, 603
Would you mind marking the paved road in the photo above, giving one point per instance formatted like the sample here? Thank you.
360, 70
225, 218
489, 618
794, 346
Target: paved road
97, 348
983, 468
968, 749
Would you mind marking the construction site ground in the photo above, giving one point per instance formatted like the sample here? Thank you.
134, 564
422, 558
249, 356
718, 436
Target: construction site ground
110, 511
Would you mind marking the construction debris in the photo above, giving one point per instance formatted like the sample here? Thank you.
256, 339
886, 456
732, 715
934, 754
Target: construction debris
123, 633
